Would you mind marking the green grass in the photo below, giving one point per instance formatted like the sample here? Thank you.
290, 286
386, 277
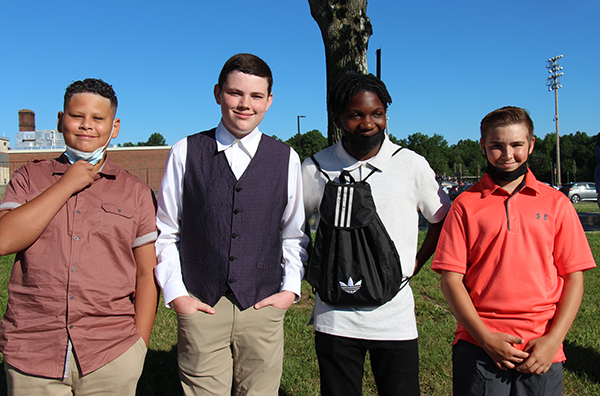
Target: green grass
436, 329
586, 207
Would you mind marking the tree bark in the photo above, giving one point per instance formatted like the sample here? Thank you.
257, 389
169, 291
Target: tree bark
346, 30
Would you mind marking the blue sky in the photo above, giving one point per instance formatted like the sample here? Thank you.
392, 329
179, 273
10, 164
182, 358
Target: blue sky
446, 64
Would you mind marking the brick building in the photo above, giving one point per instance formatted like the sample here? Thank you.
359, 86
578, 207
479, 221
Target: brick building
147, 163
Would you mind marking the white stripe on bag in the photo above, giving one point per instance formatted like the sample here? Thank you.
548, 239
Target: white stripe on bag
343, 206
337, 207
350, 199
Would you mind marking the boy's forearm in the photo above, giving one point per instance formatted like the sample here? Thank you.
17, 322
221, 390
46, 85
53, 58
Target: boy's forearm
146, 290
146, 302
22, 226
429, 244
568, 306
462, 306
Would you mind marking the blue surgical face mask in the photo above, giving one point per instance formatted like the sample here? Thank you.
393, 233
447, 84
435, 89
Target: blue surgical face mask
93, 158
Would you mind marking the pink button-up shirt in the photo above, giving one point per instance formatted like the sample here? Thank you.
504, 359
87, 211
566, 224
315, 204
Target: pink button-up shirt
77, 281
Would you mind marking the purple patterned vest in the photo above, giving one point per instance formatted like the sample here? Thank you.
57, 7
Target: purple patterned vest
231, 229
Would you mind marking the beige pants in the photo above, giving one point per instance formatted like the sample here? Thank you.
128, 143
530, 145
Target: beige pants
118, 377
243, 349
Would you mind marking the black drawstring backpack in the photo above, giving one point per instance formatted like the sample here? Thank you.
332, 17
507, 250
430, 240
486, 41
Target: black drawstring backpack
354, 262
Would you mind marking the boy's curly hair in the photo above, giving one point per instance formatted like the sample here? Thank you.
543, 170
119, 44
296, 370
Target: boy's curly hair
92, 85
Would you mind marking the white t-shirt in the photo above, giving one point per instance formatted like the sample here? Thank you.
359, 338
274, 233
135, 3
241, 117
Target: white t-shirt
402, 186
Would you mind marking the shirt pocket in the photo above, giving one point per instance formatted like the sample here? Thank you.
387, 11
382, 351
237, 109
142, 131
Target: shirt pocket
117, 220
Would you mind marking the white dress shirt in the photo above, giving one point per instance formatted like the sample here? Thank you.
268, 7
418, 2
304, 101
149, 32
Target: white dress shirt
239, 153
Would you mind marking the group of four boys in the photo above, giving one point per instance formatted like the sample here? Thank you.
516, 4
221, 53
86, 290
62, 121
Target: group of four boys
230, 251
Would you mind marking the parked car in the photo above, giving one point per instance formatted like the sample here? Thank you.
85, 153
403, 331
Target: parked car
447, 186
580, 191
457, 190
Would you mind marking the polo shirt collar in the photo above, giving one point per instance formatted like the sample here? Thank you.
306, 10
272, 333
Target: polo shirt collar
488, 185
248, 143
379, 161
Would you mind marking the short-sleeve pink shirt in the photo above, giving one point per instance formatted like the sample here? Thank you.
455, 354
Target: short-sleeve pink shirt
512, 251
78, 279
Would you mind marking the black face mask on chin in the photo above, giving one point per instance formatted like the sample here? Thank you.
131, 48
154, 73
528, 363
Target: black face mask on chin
496, 173
362, 144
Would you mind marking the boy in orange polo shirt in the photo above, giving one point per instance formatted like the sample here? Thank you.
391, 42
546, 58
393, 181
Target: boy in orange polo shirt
511, 254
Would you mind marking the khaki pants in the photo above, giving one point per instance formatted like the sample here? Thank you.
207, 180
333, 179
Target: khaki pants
231, 347
118, 377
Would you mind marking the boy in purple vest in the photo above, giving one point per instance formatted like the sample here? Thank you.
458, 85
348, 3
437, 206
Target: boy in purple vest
231, 242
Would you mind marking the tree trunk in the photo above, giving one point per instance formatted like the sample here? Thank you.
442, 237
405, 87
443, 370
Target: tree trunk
346, 30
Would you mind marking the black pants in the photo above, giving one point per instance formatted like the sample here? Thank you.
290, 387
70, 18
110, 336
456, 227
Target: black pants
476, 374
395, 365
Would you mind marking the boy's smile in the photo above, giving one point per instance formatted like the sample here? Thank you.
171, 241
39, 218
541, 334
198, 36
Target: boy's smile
244, 100
88, 122
508, 147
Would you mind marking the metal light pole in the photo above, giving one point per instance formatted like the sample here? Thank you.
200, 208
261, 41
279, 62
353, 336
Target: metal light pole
554, 84
299, 146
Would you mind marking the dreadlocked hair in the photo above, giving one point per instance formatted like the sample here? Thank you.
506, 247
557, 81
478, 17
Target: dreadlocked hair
351, 84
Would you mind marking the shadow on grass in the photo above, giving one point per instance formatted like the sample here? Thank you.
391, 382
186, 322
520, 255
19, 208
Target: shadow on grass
160, 376
584, 362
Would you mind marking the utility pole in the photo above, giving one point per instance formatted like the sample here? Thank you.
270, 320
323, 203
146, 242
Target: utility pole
299, 145
554, 84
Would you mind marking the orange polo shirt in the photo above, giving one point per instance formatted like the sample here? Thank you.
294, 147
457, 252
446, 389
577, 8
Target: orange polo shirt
512, 251
78, 279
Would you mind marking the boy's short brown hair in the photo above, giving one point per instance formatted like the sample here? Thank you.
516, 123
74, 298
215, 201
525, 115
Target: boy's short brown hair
508, 115
248, 64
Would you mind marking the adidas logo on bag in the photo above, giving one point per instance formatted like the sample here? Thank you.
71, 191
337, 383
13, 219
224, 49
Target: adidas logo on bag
351, 287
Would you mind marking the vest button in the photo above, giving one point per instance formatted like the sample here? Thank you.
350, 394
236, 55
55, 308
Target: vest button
231, 258
236, 211
234, 235
231, 280
238, 189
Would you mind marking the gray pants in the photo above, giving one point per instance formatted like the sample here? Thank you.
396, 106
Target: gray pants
476, 374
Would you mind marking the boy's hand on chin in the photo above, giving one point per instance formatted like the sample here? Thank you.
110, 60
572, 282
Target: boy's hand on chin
78, 176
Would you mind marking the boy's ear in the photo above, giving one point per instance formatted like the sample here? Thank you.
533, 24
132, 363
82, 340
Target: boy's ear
531, 144
269, 101
59, 121
482, 144
116, 128
217, 92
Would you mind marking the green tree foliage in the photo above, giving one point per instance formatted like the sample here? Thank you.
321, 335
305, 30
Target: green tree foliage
156, 139
435, 149
468, 153
308, 143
